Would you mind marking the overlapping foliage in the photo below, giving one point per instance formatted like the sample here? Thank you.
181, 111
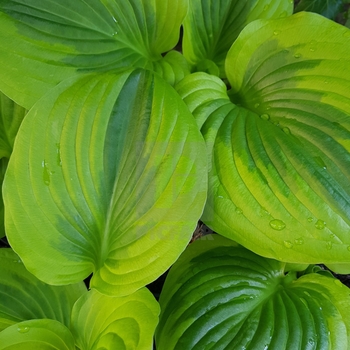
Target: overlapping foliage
128, 142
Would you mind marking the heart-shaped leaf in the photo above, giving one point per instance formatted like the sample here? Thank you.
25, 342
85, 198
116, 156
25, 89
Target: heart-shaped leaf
211, 27
24, 297
103, 322
219, 295
108, 175
44, 42
280, 156
37, 334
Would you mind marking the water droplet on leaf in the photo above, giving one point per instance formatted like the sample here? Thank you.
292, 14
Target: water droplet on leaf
288, 244
46, 173
299, 241
239, 210
297, 55
256, 105
265, 116
310, 219
276, 32
329, 245
349, 248
320, 224
286, 130
277, 224
23, 329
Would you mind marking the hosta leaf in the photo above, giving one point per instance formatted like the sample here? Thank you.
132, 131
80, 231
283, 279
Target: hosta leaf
210, 27
108, 175
103, 322
37, 334
11, 116
327, 8
222, 296
44, 42
280, 158
24, 297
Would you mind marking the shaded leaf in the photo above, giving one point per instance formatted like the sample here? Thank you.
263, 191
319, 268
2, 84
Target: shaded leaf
43, 43
23, 297
108, 176
210, 27
326, 8
219, 295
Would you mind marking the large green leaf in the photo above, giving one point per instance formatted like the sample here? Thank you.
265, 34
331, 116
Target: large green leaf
44, 42
219, 296
327, 8
211, 27
11, 116
37, 334
24, 297
280, 158
103, 322
108, 175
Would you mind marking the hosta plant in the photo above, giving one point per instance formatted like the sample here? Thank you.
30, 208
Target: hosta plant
127, 140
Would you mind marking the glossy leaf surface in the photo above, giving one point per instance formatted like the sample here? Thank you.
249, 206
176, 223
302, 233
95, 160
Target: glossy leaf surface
115, 184
103, 322
280, 154
211, 27
37, 334
44, 42
24, 297
219, 295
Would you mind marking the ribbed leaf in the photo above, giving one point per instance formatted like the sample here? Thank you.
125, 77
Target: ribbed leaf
327, 8
221, 296
103, 322
211, 27
24, 297
280, 162
108, 175
44, 42
37, 334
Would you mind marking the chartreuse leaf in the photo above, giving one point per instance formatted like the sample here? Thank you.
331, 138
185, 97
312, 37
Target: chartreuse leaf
280, 156
37, 334
44, 42
11, 116
327, 8
219, 295
108, 175
24, 297
104, 322
210, 28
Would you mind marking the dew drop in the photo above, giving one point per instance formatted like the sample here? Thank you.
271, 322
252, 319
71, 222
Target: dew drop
329, 245
283, 14
288, 244
310, 219
265, 116
256, 105
307, 294
266, 7
348, 248
23, 329
277, 224
286, 130
347, 34
46, 173
276, 32
332, 235
312, 49
297, 55
326, 81
239, 210
299, 241
285, 51
320, 224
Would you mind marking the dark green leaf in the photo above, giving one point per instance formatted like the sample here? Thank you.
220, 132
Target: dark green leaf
327, 8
